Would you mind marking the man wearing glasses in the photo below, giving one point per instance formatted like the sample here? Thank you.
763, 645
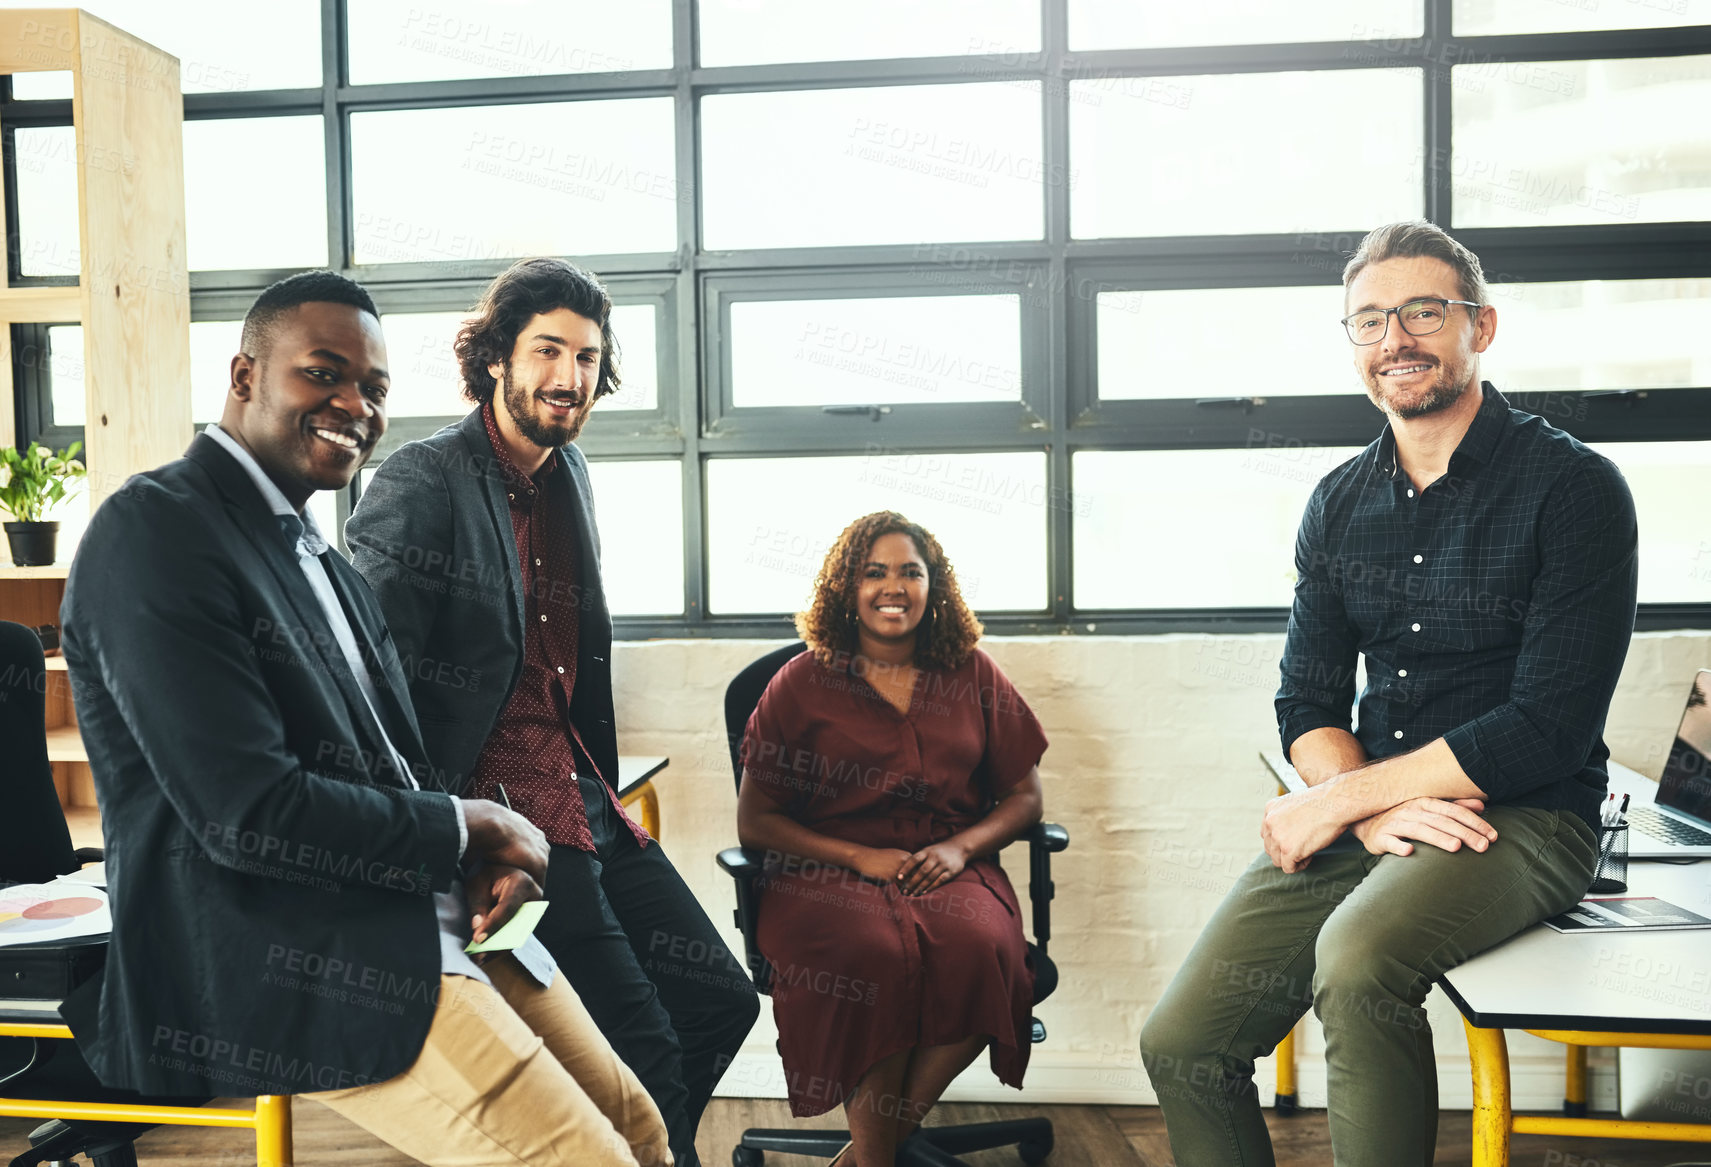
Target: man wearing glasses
1483, 563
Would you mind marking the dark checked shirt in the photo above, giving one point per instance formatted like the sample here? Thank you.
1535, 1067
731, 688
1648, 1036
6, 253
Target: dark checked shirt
529, 750
1493, 608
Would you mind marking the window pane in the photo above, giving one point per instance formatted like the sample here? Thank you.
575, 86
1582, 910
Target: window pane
213, 344
1155, 344
1181, 155
405, 40
47, 200
1101, 24
916, 349
1556, 142
639, 506
1133, 530
1600, 334
65, 374
636, 331
204, 35
988, 511
238, 219
426, 380
948, 163
579, 178
760, 32
324, 505
1667, 480
1492, 17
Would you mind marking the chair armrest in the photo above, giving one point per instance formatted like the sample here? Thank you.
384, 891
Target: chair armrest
1048, 835
740, 863
1043, 839
745, 865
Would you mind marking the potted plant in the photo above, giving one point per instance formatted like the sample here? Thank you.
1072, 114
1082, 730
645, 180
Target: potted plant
31, 483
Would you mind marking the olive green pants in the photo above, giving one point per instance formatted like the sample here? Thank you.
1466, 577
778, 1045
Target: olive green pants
1360, 938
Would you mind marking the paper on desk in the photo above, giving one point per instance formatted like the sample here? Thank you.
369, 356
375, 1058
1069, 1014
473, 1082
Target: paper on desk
37, 913
95, 873
514, 934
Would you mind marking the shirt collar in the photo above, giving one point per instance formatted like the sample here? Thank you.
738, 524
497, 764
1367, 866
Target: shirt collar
311, 541
1477, 443
512, 472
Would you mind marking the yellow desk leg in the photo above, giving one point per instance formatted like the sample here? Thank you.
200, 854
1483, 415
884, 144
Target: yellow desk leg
1288, 1095
1489, 1054
1574, 1092
649, 798
273, 1131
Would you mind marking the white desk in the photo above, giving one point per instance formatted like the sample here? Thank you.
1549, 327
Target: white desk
1628, 989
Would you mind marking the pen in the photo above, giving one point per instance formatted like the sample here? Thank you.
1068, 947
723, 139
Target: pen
1623, 809
506, 802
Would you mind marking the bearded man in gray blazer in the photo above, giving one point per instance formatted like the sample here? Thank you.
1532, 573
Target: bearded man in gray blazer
481, 544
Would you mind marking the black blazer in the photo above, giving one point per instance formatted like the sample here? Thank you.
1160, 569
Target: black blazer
269, 869
432, 535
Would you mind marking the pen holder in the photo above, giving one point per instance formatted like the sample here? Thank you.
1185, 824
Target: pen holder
1610, 875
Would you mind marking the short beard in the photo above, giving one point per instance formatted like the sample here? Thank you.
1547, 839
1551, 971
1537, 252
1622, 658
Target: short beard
1443, 393
521, 404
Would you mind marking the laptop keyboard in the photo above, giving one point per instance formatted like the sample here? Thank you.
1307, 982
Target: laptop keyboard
1669, 830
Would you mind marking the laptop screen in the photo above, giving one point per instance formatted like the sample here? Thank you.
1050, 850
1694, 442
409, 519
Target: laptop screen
1686, 782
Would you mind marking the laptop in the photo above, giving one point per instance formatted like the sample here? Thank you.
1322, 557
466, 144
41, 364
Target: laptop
1671, 818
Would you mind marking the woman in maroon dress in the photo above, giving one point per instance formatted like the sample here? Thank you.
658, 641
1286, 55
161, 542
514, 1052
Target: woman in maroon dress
882, 771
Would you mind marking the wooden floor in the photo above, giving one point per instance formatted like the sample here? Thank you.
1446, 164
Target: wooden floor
1087, 1136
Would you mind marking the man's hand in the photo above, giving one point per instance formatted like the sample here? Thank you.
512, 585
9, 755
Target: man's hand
1449, 826
495, 893
931, 867
506, 838
1298, 826
880, 864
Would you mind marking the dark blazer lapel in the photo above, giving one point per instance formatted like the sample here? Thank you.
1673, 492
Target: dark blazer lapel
398, 714
492, 480
260, 526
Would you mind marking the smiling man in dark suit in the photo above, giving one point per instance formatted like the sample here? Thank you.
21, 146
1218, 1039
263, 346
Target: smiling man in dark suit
480, 544
292, 887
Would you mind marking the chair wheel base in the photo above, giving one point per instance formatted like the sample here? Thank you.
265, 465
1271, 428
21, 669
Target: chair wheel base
1573, 1109
1035, 1152
747, 1157
1286, 1104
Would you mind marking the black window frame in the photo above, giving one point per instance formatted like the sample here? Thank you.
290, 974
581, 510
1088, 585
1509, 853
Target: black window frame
1057, 278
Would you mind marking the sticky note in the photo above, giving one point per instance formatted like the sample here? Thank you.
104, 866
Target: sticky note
513, 934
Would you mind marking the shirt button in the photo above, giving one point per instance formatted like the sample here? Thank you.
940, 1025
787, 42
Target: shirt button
537, 563
1416, 627
544, 620
1419, 559
1402, 672
561, 668
512, 497
1410, 493
1398, 733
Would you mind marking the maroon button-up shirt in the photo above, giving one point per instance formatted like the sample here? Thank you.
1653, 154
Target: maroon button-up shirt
530, 747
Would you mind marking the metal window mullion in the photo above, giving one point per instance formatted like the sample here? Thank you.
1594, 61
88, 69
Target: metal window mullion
1437, 110
686, 318
334, 68
1057, 152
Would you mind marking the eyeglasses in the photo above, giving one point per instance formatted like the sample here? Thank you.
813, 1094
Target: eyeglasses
1418, 318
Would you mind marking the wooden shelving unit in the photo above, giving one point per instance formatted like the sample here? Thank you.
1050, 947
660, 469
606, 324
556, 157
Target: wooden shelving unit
132, 299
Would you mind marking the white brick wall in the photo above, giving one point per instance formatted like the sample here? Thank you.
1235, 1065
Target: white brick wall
1154, 769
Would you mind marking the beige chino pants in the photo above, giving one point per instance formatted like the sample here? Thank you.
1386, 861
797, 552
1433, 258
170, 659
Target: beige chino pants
513, 1074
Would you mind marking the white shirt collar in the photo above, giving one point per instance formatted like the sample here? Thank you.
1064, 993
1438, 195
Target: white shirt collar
311, 542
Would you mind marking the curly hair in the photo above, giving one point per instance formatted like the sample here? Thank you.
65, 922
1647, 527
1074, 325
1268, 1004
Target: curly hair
527, 289
948, 631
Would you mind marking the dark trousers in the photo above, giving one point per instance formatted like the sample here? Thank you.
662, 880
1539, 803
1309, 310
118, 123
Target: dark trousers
649, 966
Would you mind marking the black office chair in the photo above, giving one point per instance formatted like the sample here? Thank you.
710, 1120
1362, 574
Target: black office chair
35, 846
930, 1146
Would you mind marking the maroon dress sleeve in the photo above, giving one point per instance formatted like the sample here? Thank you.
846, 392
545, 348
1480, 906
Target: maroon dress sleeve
769, 736
1015, 740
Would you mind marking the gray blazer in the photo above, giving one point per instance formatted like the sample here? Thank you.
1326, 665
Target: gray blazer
432, 535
